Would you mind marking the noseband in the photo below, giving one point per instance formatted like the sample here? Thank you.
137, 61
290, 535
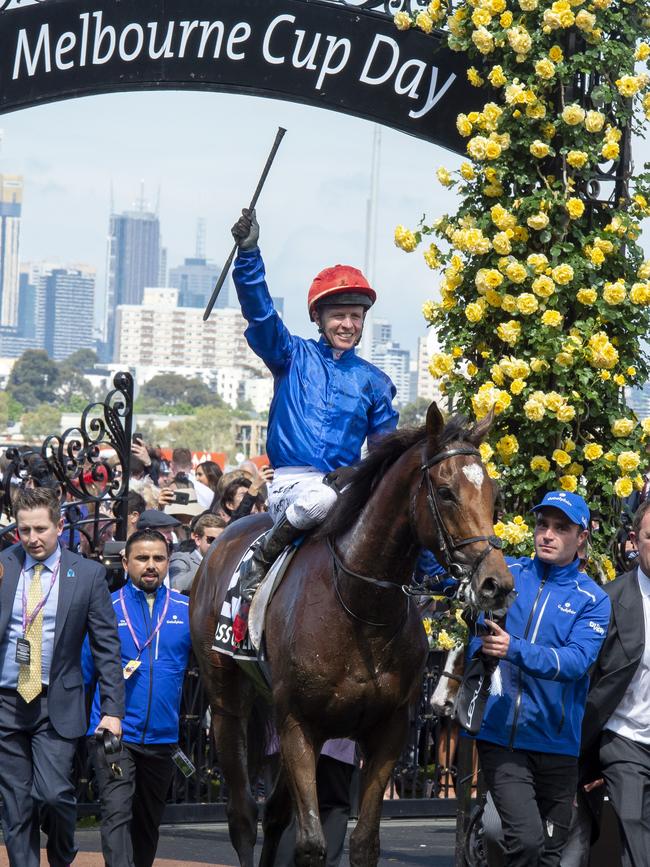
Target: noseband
448, 548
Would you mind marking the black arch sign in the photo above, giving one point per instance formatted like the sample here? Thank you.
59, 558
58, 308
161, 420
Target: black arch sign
318, 53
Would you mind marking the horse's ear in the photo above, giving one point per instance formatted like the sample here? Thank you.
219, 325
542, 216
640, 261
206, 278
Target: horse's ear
435, 425
481, 429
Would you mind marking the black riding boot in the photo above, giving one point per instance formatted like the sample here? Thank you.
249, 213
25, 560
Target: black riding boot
254, 570
265, 553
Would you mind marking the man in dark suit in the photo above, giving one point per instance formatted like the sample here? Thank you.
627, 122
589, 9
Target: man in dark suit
50, 598
616, 729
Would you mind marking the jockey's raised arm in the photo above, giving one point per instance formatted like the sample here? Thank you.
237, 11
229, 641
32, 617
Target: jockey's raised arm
327, 400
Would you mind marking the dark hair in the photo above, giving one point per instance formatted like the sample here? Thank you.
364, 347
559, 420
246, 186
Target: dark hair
148, 535
182, 458
136, 466
638, 516
26, 499
135, 503
205, 521
231, 489
213, 473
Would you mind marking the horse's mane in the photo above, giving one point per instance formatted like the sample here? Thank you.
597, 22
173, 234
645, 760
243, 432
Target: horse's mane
362, 479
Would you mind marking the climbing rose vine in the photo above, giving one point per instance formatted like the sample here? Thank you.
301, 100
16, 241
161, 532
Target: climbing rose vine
544, 293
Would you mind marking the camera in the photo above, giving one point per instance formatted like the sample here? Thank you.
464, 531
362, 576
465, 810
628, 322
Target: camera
112, 562
181, 497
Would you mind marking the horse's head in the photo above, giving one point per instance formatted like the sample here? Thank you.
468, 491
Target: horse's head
455, 510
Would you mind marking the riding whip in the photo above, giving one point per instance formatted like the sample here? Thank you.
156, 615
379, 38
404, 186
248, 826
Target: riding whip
258, 190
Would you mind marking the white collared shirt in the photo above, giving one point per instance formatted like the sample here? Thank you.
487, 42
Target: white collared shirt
631, 719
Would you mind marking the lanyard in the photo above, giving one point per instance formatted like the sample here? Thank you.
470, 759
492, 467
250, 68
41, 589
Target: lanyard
130, 625
29, 619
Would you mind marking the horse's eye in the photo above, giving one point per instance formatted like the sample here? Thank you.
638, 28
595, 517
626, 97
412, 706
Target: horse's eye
446, 494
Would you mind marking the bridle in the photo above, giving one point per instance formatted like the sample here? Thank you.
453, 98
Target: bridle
448, 548
463, 572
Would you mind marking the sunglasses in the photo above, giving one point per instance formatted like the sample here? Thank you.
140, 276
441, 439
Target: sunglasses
210, 539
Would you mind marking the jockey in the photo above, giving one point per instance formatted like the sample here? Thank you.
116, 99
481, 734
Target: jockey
326, 399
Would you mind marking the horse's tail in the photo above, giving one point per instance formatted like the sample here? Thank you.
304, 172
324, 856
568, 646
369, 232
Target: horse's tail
260, 734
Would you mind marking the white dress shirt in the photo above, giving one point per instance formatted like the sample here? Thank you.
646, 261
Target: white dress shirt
631, 719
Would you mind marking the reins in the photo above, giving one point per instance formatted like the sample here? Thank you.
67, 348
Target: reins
448, 548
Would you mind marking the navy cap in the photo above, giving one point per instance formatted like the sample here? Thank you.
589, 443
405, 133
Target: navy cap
573, 506
153, 519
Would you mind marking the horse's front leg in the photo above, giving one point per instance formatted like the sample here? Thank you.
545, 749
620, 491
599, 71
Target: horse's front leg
381, 750
299, 756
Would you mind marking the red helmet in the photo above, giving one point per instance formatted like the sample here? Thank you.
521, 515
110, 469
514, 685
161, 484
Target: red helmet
341, 284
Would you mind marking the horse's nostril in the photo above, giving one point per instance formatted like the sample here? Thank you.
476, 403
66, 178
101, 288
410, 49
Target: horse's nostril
490, 587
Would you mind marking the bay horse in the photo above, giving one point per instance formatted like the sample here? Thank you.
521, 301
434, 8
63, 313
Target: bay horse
345, 645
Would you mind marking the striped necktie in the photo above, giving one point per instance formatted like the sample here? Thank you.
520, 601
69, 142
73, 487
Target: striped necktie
30, 679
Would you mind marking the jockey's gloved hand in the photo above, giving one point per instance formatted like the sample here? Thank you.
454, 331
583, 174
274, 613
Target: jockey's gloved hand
246, 230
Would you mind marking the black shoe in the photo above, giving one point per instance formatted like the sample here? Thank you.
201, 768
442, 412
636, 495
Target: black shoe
265, 553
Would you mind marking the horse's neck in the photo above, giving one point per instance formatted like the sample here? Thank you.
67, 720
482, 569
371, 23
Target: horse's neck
381, 543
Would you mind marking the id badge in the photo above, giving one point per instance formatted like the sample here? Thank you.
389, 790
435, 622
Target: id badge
181, 761
131, 666
23, 651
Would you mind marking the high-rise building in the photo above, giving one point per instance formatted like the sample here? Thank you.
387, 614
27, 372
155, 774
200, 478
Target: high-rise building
69, 307
388, 356
133, 261
159, 333
428, 387
11, 197
195, 280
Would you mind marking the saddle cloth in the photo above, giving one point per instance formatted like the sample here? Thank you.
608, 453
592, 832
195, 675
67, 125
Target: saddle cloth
224, 642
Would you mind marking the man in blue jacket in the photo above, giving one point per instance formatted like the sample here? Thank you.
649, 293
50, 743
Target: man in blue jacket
327, 401
529, 741
154, 631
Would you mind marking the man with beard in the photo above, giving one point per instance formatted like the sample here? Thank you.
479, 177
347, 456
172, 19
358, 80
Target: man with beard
154, 630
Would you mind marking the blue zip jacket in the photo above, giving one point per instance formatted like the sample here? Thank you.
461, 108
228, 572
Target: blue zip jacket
557, 625
153, 691
323, 407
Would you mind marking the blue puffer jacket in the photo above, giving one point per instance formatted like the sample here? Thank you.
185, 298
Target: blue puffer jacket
153, 691
323, 408
556, 624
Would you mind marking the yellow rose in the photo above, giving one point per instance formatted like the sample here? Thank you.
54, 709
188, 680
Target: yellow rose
561, 458
463, 125
507, 446
467, 171
516, 272
443, 176
473, 77
608, 566
545, 68
506, 19
534, 409
543, 286
527, 303
517, 386
593, 451
538, 221
552, 318
628, 85
553, 401
509, 303
501, 243
540, 464
556, 54
440, 364
575, 208
587, 296
402, 21
474, 312
614, 293
528, 5
623, 427
585, 21
486, 451
576, 159
472, 369
568, 483
573, 114
642, 51
424, 21
483, 40
628, 462
496, 77
623, 487
405, 239
562, 274
492, 471
432, 257
492, 150
509, 332
640, 293
566, 413
594, 121
519, 39
539, 149
538, 262
610, 150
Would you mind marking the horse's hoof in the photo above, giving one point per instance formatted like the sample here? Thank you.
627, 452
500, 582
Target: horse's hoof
310, 854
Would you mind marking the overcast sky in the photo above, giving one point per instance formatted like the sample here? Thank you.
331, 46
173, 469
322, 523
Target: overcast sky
205, 151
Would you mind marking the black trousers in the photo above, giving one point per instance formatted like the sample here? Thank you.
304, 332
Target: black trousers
132, 805
533, 793
333, 779
626, 770
35, 783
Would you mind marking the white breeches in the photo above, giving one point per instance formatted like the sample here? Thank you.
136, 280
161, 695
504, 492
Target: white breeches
300, 493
